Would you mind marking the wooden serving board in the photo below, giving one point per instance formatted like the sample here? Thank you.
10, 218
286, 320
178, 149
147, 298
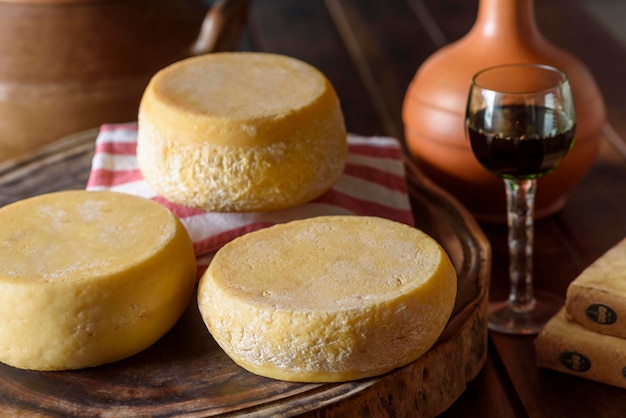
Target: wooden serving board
186, 374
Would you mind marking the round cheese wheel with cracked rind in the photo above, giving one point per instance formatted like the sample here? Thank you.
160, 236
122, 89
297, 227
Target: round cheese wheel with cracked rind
88, 278
241, 131
328, 299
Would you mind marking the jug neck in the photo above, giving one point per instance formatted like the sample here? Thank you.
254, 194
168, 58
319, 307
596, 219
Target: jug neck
506, 20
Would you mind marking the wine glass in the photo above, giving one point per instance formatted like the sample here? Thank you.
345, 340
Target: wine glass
520, 121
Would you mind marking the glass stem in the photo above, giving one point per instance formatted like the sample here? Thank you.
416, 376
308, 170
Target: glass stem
520, 195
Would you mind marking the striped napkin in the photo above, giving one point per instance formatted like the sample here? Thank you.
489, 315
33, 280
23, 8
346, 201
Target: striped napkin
373, 184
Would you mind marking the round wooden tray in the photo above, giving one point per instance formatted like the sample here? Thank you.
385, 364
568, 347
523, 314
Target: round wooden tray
186, 374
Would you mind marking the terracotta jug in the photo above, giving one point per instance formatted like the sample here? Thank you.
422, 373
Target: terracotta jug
70, 65
505, 31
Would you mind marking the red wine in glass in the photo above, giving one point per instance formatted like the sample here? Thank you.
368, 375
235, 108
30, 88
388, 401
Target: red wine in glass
521, 123
525, 151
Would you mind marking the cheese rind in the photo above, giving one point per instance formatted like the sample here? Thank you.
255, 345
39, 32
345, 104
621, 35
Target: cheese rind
89, 278
328, 299
570, 348
596, 299
241, 132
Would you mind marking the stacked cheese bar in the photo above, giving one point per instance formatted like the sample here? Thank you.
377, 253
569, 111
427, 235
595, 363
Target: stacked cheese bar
587, 338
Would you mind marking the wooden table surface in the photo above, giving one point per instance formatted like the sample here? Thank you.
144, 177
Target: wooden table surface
370, 50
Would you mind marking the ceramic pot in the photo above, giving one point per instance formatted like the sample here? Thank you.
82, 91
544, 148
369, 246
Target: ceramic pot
70, 65
505, 31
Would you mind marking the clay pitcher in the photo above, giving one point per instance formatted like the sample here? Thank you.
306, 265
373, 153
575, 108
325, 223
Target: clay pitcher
505, 31
71, 65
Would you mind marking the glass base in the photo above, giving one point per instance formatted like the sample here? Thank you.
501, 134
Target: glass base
502, 318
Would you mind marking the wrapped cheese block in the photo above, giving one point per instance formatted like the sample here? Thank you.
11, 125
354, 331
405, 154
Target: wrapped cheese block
571, 348
241, 131
596, 299
88, 278
328, 299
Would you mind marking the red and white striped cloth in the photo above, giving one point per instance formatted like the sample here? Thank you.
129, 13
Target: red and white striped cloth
373, 184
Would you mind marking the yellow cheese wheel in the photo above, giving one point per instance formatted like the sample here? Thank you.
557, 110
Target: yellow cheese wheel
241, 131
88, 278
328, 299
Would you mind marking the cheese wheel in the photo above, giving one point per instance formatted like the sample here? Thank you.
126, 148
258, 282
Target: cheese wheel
328, 299
88, 278
240, 131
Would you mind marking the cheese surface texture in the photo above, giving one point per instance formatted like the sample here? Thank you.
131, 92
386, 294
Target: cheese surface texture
570, 348
241, 131
328, 299
596, 299
88, 278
